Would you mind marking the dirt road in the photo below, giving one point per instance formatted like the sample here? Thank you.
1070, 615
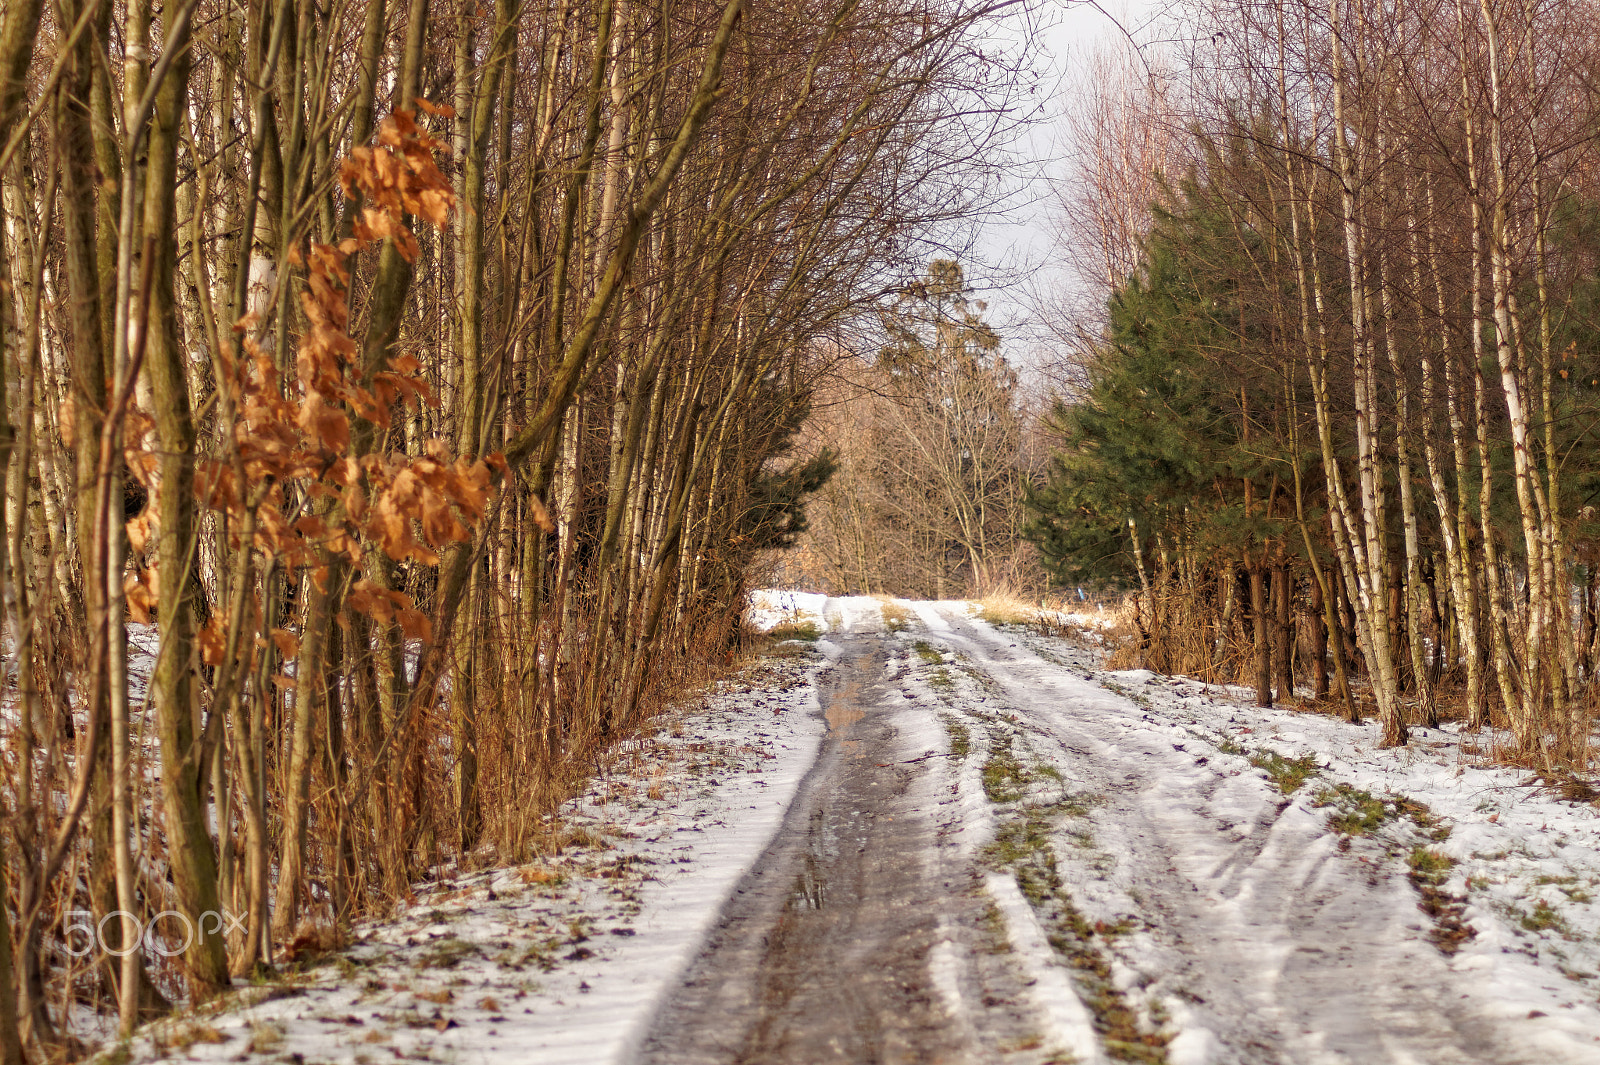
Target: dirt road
829, 950
1193, 913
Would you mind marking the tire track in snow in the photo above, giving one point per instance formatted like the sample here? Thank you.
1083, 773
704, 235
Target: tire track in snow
857, 937
1267, 944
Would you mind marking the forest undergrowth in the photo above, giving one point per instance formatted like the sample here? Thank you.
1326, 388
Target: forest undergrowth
394, 400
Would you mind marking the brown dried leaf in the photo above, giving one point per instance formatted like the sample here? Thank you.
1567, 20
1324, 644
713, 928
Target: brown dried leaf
213, 645
139, 531
414, 624
435, 204
347, 471
288, 643
367, 598
442, 110
140, 590
541, 516
67, 422
390, 527
326, 425
439, 525
355, 502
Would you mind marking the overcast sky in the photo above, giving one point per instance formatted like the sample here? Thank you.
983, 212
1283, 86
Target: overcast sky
1012, 262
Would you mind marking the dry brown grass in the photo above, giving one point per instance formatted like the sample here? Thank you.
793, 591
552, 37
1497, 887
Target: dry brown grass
1002, 605
538, 875
315, 936
896, 618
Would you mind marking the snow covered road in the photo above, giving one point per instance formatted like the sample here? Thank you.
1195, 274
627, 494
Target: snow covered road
860, 934
925, 839
1264, 935
1216, 891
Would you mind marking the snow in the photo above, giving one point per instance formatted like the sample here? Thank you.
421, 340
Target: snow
1255, 860
1516, 848
1237, 912
1072, 1028
854, 613
563, 960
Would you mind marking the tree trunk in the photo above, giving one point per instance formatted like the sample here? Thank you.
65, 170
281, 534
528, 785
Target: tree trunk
1261, 631
1283, 637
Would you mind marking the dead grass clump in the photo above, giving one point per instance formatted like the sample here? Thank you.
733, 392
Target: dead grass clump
1002, 606
1567, 786
540, 876
265, 1038
565, 837
896, 616
183, 1036
805, 629
315, 937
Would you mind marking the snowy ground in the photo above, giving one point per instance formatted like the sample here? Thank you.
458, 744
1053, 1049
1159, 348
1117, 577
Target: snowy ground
1525, 864
1483, 882
563, 959
1178, 875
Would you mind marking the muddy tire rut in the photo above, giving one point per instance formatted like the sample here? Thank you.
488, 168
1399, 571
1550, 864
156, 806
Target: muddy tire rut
859, 936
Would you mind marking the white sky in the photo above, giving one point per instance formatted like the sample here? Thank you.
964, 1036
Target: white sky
1012, 263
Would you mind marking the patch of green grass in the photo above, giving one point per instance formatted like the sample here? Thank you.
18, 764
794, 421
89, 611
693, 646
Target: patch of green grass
1423, 818
1141, 699
1112, 929
960, 738
446, 953
1357, 813
940, 681
1567, 885
1017, 840
1074, 803
1004, 778
1022, 845
993, 926
1429, 871
928, 653
540, 952
1543, 918
1289, 774
117, 1054
1031, 1041
1428, 866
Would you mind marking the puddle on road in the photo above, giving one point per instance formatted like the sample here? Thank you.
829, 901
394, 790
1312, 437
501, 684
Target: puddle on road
844, 709
811, 885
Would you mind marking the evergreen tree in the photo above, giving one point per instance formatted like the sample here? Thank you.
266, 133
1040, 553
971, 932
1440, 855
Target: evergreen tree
1172, 438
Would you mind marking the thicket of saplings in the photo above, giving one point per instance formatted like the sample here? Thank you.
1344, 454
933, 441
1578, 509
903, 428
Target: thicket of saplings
1344, 394
928, 442
412, 384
